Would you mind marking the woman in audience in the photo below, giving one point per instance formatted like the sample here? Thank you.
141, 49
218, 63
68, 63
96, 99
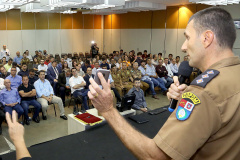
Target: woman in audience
35, 64
74, 63
65, 66
126, 59
80, 61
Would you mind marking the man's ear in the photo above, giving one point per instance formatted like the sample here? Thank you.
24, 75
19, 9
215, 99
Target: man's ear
207, 38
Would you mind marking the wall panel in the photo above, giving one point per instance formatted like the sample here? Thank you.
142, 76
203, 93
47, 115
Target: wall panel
54, 37
88, 21
116, 38
77, 37
159, 18
28, 21
3, 21
54, 20
88, 37
14, 41
66, 40
42, 39
13, 20
41, 20
66, 21
184, 15
108, 22
107, 39
29, 41
158, 36
97, 22
172, 17
77, 20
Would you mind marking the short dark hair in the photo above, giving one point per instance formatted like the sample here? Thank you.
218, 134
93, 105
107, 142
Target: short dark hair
178, 57
139, 53
87, 62
136, 79
31, 70
143, 61
14, 64
145, 50
42, 71
170, 54
113, 66
24, 76
154, 55
10, 59
73, 68
219, 21
54, 61
165, 58
14, 67
24, 64
160, 53
104, 65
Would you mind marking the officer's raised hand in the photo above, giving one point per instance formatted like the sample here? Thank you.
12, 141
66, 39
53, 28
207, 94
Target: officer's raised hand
176, 90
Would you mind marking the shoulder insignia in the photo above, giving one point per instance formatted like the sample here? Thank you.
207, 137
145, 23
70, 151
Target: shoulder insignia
186, 105
203, 79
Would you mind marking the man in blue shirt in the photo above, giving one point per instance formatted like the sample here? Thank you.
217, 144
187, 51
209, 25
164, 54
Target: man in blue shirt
18, 58
10, 99
16, 80
151, 72
45, 95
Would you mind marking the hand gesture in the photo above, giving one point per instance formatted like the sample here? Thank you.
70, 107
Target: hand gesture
176, 90
102, 99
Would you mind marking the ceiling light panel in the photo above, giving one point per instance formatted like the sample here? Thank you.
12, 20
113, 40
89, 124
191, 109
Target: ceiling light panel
216, 2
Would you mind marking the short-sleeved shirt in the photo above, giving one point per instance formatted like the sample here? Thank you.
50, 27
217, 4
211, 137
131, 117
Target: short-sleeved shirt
74, 81
116, 78
125, 75
212, 129
136, 73
25, 90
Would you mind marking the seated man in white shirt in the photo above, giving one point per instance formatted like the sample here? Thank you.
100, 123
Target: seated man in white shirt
154, 60
45, 95
165, 64
42, 66
96, 67
77, 84
174, 67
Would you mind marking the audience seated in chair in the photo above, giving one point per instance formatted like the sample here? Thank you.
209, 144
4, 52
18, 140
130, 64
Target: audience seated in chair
42, 66
16, 80
52, 75
10, 99
79, 70
140, 104
135, 73
32, 78
163, 73
9, 64
174, 67
14, 64
24, 70
18, 58
126, 77
45, 95
151, 71
25, 59
64, 86
28, 97
85, 66
77, 84
165, 64
4, 74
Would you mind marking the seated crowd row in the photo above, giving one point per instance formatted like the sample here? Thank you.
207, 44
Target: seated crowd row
41, 84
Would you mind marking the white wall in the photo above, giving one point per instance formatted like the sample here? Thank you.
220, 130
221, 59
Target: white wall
53, 40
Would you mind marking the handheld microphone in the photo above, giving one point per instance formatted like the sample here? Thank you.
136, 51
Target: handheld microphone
184, 72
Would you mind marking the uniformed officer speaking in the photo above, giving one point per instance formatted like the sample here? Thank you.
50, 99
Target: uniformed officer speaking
205, 123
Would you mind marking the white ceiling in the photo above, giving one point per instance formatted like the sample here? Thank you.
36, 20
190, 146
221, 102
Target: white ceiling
102, 7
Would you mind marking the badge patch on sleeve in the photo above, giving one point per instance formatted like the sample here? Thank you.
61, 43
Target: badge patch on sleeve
186, 105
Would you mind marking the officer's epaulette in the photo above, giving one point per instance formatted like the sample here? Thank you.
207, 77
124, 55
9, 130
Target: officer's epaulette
203, 79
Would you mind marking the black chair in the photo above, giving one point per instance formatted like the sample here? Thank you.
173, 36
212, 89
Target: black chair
50, 103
